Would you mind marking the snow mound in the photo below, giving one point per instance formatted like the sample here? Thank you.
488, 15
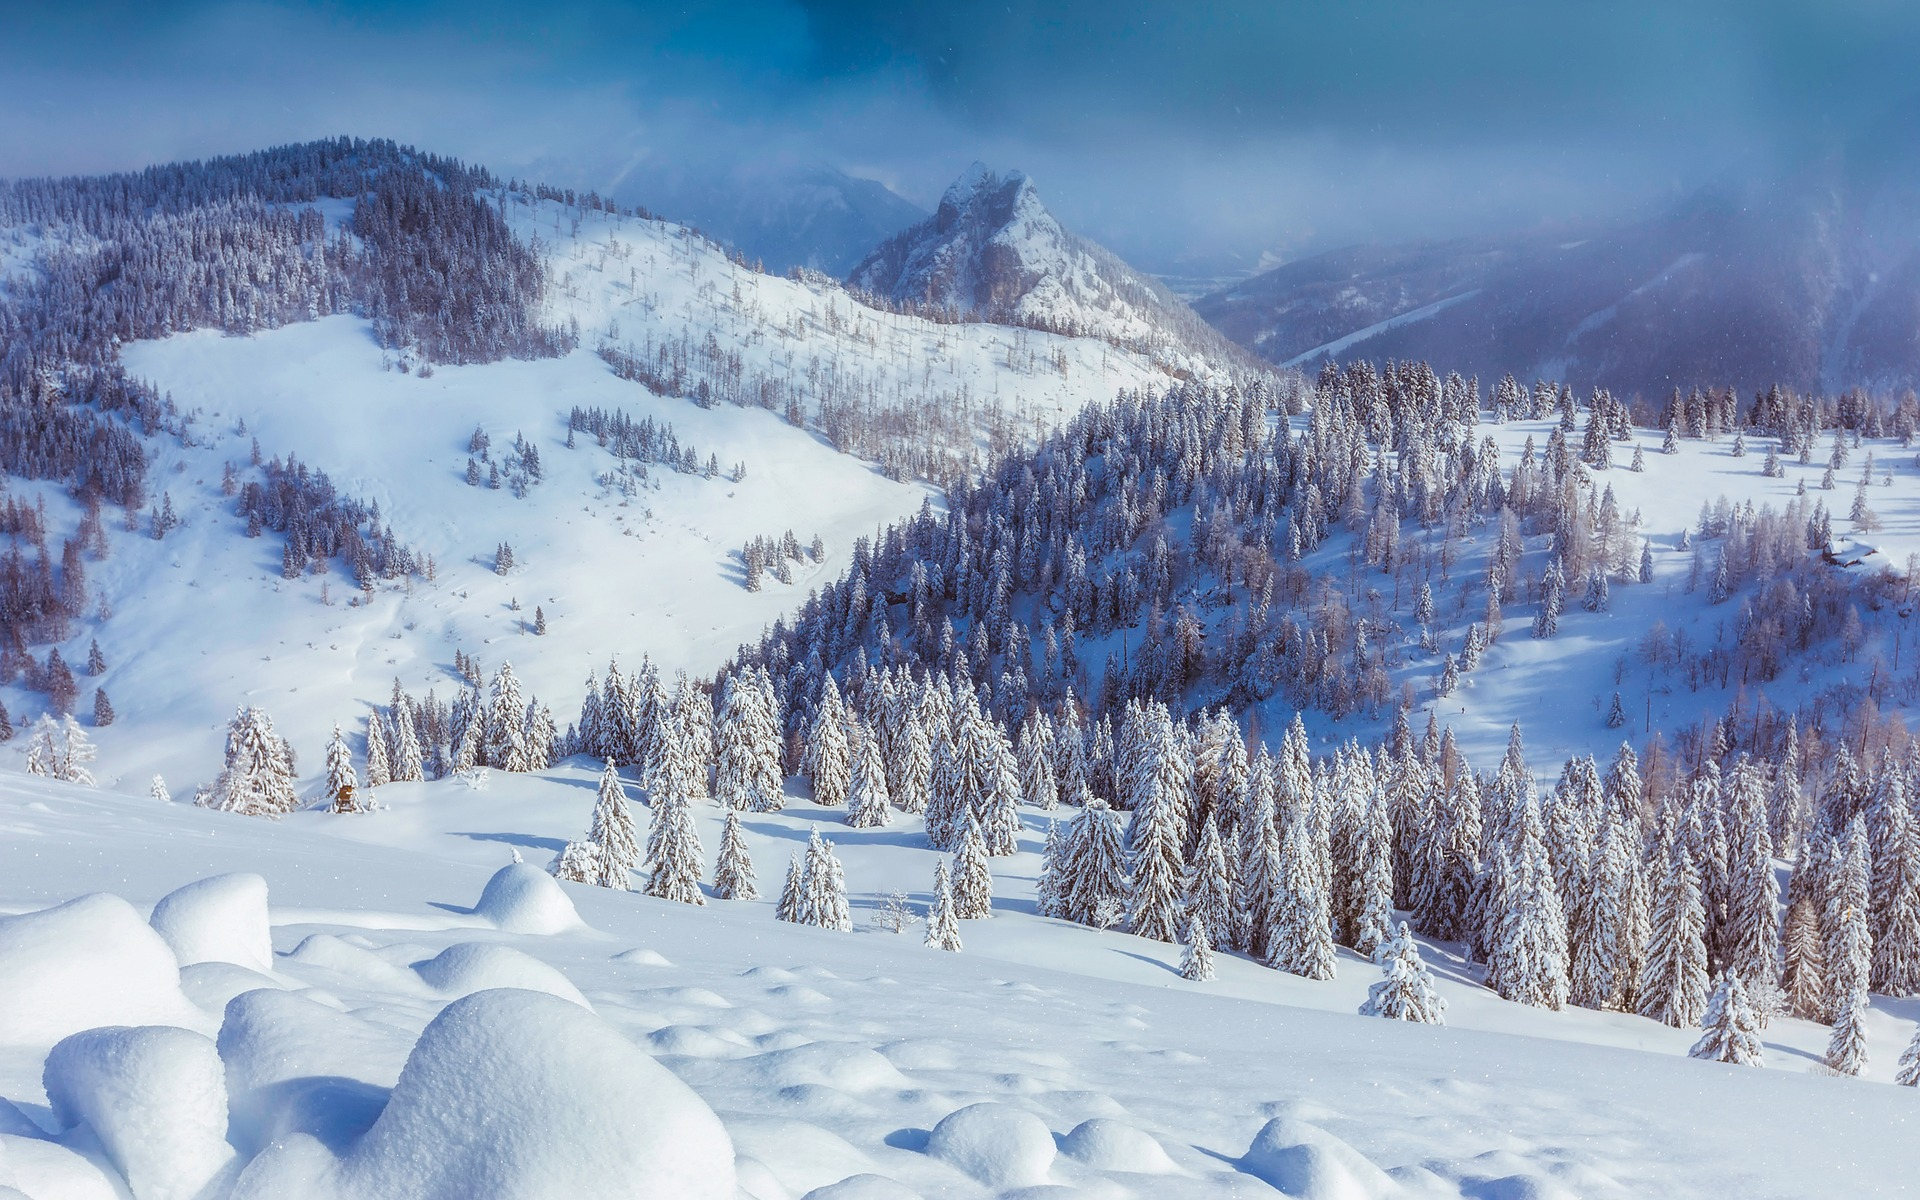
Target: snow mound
212, 985
91, 961
521, 898
156, 1098
294, 1066
841, 1065
997, 1144
698, 1041
863, 1187
330, 952
1306, 1161
518, 1095
642, 957
799, 1155
15, 1122
1116, 1146
221, 919
43, 1170
467, 967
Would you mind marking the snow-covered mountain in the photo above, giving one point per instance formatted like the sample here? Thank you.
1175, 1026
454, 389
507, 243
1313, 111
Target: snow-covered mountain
814, 216
1809, 279
993, 252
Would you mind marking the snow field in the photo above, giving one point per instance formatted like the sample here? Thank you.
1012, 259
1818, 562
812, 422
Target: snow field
801, 1060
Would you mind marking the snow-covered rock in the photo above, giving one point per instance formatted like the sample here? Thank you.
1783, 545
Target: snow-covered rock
521, 898
1305, 1160
156, 1098
517, 1095
467, 967
1109, 1145
222, 919
91, 961
997, 1144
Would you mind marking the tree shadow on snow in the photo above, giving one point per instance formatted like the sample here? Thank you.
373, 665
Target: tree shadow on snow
525, 840
1149, 960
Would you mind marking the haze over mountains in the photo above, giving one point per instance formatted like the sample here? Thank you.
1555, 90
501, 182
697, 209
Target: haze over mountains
1809, 279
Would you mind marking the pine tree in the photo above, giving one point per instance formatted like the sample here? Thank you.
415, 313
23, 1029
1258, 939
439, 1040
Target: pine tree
379, 768
1673, 984
504, 745
868, 804
1094, 882
972, 877
1407, 992
1752, 941
157, 791
1730, 1030
96, 661
1208, 887
257, 779
102, 709
577, 862
1909, 1072
674, 862
943, 927
341, 781
823, 889
829, 757
1847, 1048
1849, 948
733, 874
1197, 963
1598, 920
1300, 934
611, 831
747, 775
1158, 830
788, 906
1803, 983
1037, 784
407, 762
1527, 952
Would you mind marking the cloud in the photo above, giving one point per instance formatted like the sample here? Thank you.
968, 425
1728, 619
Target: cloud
1178, 132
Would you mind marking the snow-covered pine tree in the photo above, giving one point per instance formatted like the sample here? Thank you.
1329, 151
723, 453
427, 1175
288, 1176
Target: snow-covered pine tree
1371, 902
1047, 886
1730, 1029
1849, 943
1752, 935
1158, 830
675, 864
868, 805
1037, 784
1673, 984
747, 776
1209, 885
910, 770
829, 755
577, 862
1597, 918
612, 833
157, 790
1197, 963
1407, 992
1527, 954
1895, 901
943, 927
1258, 844
787, 908
733, 874
257, 780
379, 764
342, 784
1803, 976
972, 876
407, 763
823, 888
1300, 928
1909, 1073
1847, 1047
504, 746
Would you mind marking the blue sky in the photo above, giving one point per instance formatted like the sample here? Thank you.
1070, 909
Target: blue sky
1166, 129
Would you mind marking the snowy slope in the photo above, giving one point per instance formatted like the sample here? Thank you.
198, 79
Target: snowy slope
992, 250
828, 1056
655, 572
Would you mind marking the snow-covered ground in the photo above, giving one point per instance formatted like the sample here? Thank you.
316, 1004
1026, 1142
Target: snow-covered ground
825, 1057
